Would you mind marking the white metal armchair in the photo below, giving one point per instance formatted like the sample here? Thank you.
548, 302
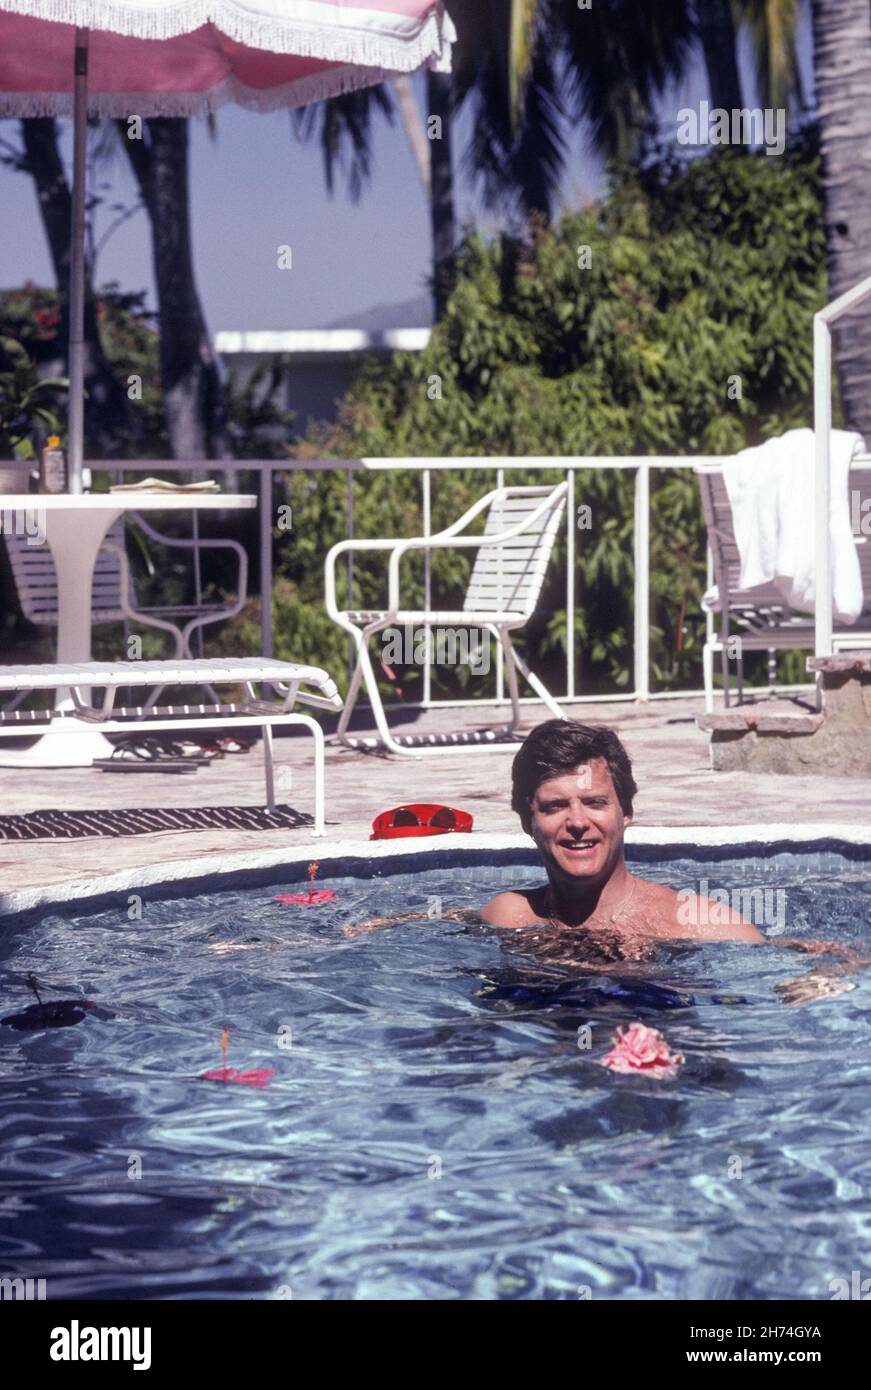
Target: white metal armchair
114, 594
504, 588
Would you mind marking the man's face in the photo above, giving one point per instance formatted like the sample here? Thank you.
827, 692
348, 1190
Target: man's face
578, 823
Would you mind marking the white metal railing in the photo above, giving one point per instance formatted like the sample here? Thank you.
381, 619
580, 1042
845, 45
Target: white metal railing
568, 465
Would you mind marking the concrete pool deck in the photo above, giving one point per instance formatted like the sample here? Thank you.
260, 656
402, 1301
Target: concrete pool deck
679, 800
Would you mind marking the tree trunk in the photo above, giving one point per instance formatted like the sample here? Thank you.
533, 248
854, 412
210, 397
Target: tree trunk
719, 45
192, 388
413, 127
107, 409
439, 103
842, 59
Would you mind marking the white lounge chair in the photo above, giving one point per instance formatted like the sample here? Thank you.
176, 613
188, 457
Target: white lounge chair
295, 684
513, 555
760, 618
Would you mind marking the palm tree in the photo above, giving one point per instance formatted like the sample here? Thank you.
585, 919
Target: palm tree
620, 58
842, 58
506, 67
773, 27
192, 388
716, 28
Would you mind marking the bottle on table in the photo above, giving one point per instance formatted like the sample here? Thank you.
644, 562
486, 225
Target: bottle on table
52, 467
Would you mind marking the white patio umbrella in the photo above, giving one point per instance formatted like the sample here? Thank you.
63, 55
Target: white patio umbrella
187, 57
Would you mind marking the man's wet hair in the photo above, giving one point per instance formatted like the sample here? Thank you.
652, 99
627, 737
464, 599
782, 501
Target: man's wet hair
558, 746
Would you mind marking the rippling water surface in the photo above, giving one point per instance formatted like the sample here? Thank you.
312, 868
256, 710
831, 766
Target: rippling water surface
432, 1128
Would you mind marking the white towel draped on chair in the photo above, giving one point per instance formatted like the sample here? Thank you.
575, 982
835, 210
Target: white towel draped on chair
771, 493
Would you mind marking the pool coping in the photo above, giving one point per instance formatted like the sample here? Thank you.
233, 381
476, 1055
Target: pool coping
260, 865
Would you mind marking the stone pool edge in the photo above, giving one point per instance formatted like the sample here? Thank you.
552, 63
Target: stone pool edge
258, 864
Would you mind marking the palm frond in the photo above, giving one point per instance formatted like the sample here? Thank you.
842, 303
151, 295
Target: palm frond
519, 166
344, 124
773, 28
620, 57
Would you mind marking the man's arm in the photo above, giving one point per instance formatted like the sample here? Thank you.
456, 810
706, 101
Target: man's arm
450, 914
825, 980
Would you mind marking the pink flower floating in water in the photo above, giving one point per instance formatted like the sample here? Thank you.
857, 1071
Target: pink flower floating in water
314, 895
241, 1078
318, 895
641, 1049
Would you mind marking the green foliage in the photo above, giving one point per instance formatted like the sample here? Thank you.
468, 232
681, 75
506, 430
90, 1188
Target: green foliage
699, 274
27, 404
257, 427
131, 347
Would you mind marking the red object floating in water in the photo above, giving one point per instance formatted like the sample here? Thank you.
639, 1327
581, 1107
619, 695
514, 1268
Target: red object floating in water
314, 895
225, 1073
241, 1078
317, 895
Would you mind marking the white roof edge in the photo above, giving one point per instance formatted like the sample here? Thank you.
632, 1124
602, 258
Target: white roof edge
230, 341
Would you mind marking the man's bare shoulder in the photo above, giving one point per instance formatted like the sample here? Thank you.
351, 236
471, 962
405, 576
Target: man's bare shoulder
687, 915
513, 909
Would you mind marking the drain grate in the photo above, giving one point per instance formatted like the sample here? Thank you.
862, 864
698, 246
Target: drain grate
79, 825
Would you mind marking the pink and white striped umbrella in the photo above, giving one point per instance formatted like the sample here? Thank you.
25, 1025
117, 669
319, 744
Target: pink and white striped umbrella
186, 57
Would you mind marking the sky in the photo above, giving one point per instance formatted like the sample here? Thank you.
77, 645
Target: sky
256, 187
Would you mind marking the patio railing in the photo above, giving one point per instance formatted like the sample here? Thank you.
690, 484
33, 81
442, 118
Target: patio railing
426, 467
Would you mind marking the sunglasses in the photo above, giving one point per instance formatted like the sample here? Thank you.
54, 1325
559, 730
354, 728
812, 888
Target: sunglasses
419, 819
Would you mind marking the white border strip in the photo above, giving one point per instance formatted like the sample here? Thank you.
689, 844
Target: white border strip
136, 879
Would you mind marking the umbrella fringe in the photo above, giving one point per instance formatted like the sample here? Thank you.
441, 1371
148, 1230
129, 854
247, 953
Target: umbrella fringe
394, 46
288, 95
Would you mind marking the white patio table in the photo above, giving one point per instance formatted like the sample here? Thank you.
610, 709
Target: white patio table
75, 528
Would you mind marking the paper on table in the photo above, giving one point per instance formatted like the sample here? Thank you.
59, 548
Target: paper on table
163, 485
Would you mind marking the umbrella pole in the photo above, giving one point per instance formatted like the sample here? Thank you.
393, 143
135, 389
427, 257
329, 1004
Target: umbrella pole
77, 267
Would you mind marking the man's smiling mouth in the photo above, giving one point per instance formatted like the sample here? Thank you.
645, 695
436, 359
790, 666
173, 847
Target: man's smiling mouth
576, 846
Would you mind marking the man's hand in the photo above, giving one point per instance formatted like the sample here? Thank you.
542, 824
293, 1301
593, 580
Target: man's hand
805, 989
820, 948
450, 914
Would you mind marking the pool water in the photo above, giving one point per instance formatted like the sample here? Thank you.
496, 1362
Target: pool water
433, 1128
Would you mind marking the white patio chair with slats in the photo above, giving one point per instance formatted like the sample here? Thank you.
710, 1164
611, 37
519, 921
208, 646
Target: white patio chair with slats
760, 618
113, 595
504, 589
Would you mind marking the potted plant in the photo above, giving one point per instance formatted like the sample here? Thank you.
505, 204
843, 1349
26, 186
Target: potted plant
26, 404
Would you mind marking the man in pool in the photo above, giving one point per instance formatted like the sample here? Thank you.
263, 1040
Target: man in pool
573, 789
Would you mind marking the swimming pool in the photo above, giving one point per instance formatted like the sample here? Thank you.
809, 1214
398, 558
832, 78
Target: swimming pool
432, 1128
